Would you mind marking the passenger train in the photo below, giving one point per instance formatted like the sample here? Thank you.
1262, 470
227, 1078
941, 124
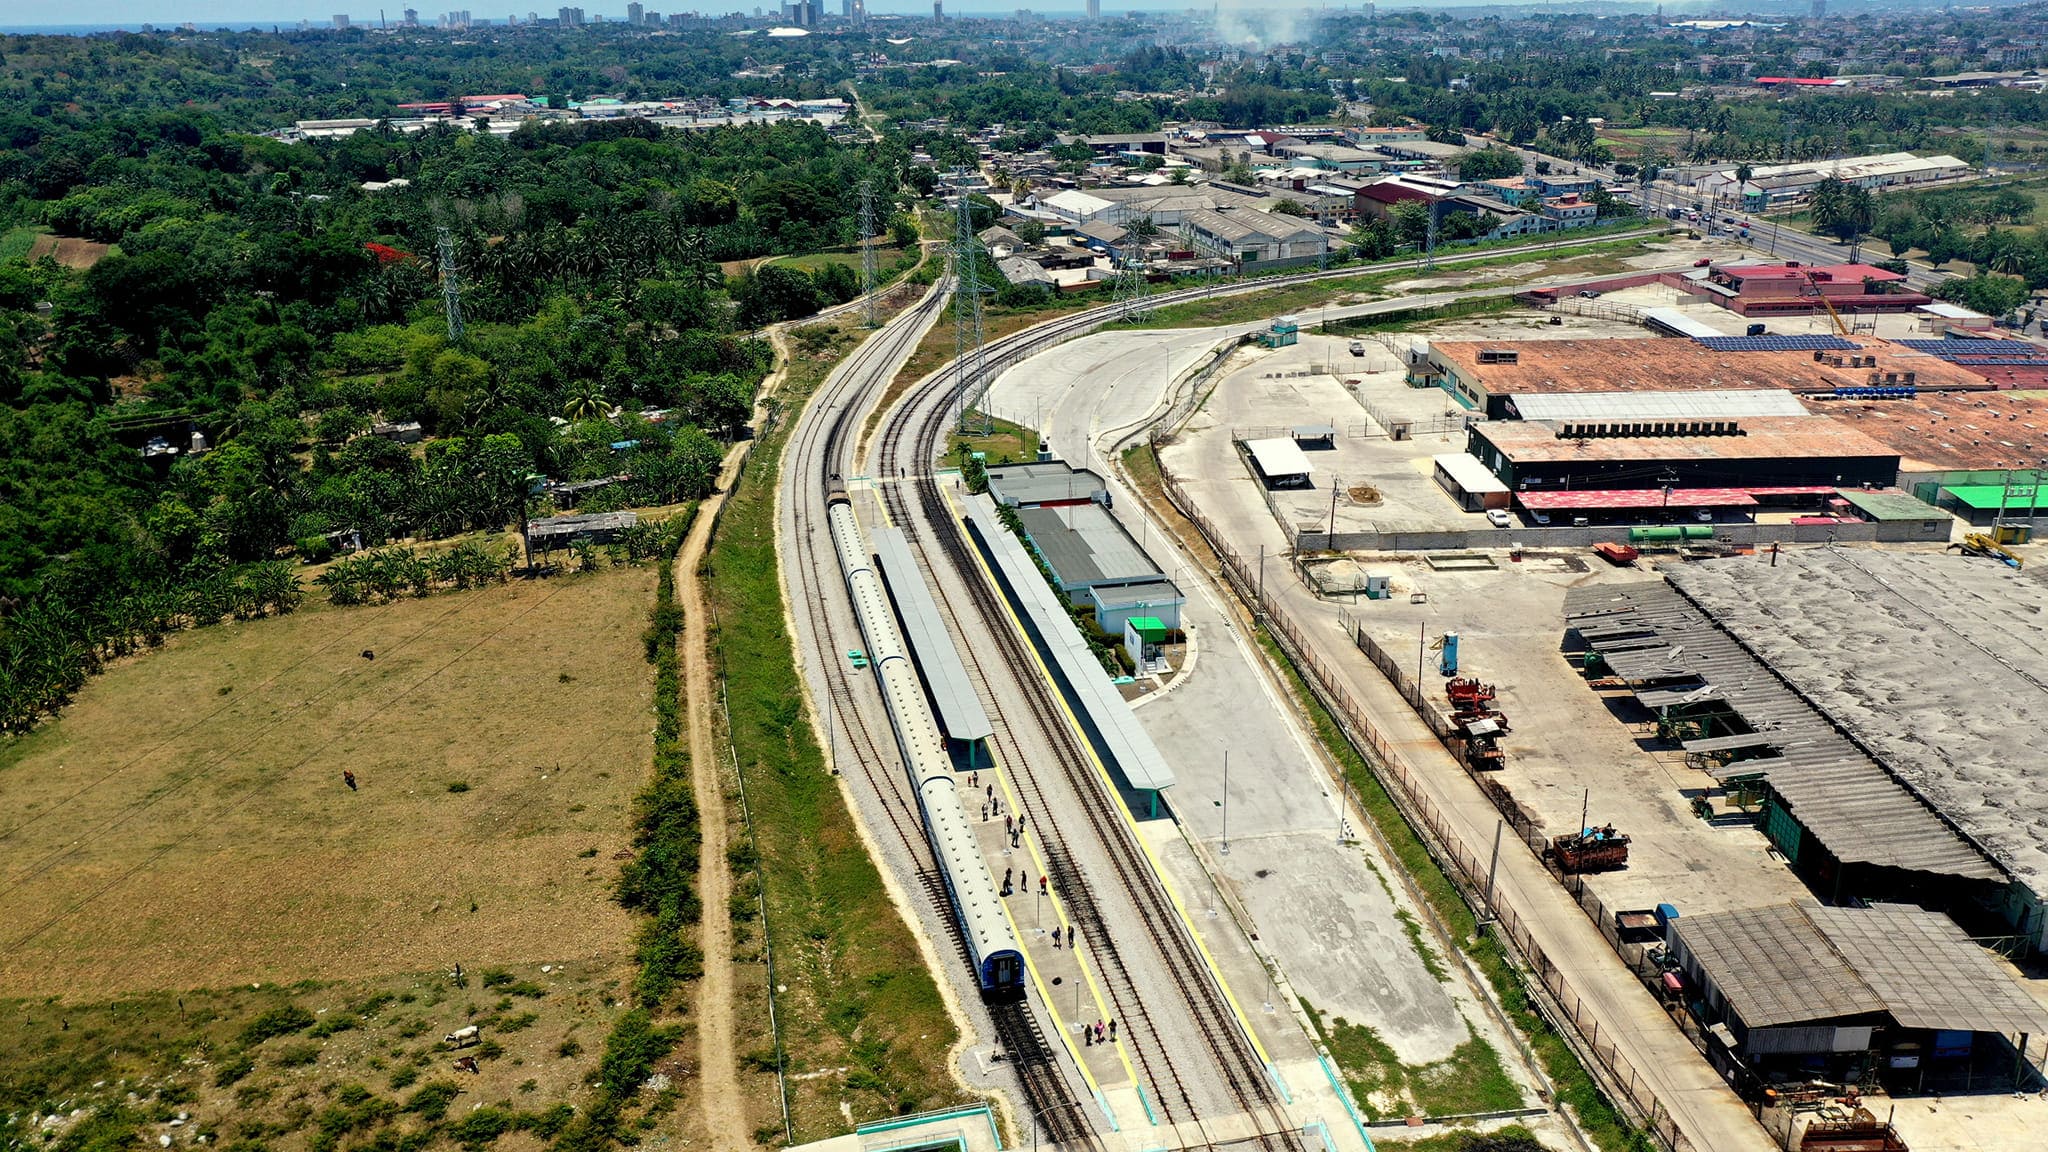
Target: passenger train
991, 944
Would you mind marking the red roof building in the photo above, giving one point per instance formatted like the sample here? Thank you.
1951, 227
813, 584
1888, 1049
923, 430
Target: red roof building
1793, 289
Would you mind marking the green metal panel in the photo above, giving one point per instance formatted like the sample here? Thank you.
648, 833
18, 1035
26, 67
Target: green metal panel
1655, 532
1783, 830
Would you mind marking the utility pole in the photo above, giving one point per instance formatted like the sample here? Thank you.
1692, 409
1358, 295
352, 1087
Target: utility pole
870, 305
451, 285
968, 335
1335, 485
1226, 801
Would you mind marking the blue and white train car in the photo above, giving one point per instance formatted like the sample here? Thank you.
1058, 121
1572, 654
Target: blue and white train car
991, 944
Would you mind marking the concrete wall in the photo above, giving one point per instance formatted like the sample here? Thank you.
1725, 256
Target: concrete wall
1534, 539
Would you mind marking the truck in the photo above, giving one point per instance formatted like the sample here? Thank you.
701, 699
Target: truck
1590, 850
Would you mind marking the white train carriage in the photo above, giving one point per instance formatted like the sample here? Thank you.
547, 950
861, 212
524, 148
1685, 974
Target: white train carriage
992, 946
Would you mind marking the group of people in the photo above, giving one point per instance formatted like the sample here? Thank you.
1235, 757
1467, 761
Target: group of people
1092, 1035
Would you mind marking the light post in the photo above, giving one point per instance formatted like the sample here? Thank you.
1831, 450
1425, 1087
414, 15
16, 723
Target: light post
1226, 801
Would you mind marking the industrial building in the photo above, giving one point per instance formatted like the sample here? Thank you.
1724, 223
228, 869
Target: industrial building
1495, 377
1841, 821
1793, 289
1766, 452
1889, 992
1929, 665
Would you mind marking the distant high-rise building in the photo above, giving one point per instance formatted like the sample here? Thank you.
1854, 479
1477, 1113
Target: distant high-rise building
341, 22
412, 18
846, 9
938, 9
636, 14
569, 17
653, 20
1095, 9
1819, 9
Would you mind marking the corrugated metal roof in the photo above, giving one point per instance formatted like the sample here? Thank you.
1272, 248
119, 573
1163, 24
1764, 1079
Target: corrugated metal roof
1722, 403
1774, 967
1115, 728
1858, 811
1675, 321
1042, 482
960, 710
1891, 504
1927, 972
1804, 962
1086, 546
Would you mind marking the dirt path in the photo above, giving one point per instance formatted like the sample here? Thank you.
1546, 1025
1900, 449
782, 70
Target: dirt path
725, 1116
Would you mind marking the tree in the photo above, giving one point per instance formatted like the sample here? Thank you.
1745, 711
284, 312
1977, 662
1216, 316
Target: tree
586, 401
1489, 163
1989, 293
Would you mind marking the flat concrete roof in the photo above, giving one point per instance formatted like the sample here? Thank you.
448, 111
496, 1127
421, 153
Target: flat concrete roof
1279, 458
1086, 546
1890, 504
960, 711
1112, 725
1934, 662
1041, 482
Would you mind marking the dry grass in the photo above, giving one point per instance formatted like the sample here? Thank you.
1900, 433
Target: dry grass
185, 823
70, 251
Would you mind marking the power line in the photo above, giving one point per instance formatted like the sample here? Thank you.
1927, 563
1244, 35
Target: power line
867, 253
968, 336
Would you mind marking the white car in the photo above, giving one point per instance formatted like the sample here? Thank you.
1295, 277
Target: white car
1498, 517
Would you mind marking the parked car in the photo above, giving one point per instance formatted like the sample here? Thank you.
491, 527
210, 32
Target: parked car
1542, 519
1703, 263
1358, 347
1498, 517
1703, 515
1590, 294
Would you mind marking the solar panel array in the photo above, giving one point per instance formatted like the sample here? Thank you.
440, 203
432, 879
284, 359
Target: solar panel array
1781, 343
1973, 345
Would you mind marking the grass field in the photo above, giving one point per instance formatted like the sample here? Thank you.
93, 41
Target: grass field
865, 1032
15, 243
1004, 443
190, 806
885, 259
183, 862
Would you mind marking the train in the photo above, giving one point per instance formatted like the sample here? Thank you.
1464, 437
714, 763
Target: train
971, 888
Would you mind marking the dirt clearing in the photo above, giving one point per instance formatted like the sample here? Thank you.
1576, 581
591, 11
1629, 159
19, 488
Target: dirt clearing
186, 824
70, 251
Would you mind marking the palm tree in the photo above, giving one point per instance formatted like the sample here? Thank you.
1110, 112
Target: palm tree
586, 401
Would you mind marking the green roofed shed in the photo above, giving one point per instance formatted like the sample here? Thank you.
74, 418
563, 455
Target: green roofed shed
1890, 505
1149, 628
1988, 496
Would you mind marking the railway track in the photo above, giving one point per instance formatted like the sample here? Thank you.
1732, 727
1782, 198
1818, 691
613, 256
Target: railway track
1232, 1061
920, 418
821, 454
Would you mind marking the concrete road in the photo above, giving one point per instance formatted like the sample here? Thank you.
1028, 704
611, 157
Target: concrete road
1616, 1008
1268, 821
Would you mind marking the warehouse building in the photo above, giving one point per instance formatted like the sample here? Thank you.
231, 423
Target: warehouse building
1764, 451
1497, 377
1890, 992
1928, 663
